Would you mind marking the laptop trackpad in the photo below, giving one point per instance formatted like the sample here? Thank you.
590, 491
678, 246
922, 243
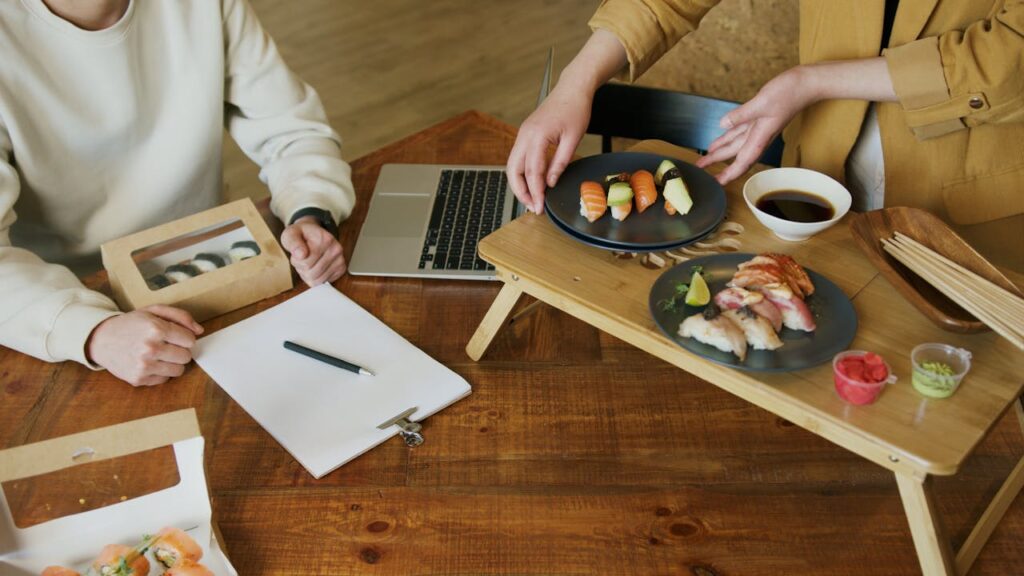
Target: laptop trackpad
397, 216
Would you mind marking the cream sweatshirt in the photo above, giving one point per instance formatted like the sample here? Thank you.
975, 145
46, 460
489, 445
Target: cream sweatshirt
109, 132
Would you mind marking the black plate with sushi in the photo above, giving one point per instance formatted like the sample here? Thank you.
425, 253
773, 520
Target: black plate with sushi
653, 228
772, 303
611, 246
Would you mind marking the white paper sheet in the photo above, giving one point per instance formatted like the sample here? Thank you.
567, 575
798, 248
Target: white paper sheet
323, 415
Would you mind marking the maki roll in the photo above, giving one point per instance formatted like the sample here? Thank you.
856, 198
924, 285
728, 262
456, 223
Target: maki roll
243, 250
206, 262
180, 272
120, 560
59, 571
174, 547
157, 282
189, 570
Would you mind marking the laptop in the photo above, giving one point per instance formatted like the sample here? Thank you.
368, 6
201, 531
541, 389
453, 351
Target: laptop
424, 220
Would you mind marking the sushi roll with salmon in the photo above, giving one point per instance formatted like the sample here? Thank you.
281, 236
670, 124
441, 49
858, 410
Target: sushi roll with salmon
173, 547
120, 560
593, 203
189, 570
620, 200
59, 571
642, 183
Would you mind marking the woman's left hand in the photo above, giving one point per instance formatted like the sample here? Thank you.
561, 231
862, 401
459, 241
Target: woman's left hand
752, 127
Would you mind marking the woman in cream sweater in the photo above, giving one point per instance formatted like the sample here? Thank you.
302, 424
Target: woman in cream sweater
112, 114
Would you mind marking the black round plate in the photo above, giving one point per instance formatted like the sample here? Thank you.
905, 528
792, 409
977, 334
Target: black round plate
833, 313
614, 247
654, 229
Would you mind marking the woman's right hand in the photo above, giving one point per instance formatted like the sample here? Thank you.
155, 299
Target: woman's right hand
146, 347
560, 121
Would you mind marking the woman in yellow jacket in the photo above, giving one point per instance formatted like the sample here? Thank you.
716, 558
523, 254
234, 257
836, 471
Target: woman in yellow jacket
910, 103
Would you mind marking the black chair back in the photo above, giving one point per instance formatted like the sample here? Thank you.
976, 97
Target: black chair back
625, 111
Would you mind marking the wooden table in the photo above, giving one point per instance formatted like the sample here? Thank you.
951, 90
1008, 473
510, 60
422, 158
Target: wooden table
903, 432
576, 454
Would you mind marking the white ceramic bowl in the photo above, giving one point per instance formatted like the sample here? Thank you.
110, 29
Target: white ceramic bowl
795, 179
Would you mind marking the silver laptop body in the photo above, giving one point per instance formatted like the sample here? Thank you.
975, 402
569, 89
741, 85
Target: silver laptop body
403, 236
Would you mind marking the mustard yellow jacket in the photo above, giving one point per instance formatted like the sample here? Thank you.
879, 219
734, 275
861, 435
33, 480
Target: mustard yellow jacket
953, 144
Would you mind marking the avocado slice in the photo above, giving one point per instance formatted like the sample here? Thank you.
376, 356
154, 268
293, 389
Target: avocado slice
665, 166
619, 193
676, 194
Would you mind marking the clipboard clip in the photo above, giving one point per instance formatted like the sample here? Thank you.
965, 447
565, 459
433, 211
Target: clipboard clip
407, 429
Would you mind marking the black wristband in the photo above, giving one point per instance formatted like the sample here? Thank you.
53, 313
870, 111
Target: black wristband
323, 218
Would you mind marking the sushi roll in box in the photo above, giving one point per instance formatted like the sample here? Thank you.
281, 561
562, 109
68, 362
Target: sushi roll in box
218, 284
164, 443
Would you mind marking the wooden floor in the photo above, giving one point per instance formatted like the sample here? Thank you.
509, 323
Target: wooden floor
388, 68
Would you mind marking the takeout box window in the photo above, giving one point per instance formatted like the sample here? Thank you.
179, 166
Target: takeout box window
74, 540
159, 265
90, 485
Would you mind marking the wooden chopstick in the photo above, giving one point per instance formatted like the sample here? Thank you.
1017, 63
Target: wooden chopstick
1010, 298
984, 300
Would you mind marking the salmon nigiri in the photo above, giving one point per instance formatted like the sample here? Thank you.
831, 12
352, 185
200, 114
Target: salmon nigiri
644, 191
592, 200
59, 571
108, 563
174, 547
189, 570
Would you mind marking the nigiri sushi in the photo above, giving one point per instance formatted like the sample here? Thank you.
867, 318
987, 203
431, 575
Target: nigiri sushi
592, 200
111, 558
620, 200
758, 332
189, 570
754, 276
784, 268
795, 313
712, 328
59, 571
644, 191
174, 547
795, 271
732, 298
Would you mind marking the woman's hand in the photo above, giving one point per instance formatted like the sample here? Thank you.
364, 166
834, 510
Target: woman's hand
315, 253
752, 127
561, 122
146, 347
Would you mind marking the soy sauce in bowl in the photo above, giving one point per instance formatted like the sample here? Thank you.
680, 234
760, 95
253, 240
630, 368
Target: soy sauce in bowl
796, 206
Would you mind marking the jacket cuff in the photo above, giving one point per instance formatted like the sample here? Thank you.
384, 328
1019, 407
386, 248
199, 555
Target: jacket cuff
638, 31
920, 84
71, 330
288, 203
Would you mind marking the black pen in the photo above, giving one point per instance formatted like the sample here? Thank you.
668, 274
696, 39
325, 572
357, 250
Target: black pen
326, 358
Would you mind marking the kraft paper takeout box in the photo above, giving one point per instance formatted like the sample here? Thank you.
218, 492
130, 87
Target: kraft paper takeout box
212, 293
74, 541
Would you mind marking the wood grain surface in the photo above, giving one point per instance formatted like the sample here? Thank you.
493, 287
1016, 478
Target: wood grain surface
576, 453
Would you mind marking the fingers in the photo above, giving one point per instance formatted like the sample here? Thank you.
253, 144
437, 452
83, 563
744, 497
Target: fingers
166, 370
724, 152
515, 171
317, 273
747, 155
745, 113
535, 173
566, 146
177, 316
293, 241
172, 354
173, 333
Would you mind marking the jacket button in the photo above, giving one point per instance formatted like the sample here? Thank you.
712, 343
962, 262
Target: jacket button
976, 103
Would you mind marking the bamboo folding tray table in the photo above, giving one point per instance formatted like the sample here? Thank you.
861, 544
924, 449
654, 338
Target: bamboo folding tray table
910, 435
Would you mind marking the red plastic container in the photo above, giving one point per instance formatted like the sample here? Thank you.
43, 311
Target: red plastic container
860, 376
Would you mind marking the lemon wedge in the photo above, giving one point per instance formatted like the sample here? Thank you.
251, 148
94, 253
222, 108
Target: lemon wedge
698, 294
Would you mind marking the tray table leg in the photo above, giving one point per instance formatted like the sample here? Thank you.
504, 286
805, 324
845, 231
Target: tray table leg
993, 514
934, 551
493, 321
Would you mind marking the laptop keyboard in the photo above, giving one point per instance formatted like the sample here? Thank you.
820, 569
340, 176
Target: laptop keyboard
467, 207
